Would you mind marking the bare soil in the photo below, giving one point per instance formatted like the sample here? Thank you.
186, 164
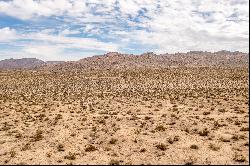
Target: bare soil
148, 116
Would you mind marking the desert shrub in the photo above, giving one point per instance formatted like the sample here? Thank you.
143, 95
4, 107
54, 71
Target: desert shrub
26, 147
194, 147
213, 147
206, 113
38, 136
143, 150
90, 148
70, 156
204, 132
60, 147
161, 146
12, 153
244, 129
113, 141
114, 162
160, 128
239, 157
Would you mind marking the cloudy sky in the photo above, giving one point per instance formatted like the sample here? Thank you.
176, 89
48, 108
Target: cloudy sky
74, 29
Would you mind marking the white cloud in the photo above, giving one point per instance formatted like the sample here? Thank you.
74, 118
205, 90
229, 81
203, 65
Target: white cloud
69, 32
47, 52
7, 34
27, 9
194, 25
72, 42
129, 7
10, 35
51, 47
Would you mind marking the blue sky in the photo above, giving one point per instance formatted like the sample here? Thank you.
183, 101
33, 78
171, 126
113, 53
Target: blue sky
74, 29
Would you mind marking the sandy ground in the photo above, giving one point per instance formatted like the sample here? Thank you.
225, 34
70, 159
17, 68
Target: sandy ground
177, 116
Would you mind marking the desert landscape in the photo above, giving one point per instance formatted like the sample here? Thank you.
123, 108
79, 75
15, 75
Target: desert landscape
119, 109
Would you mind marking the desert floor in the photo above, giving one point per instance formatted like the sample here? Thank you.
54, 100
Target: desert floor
158, 116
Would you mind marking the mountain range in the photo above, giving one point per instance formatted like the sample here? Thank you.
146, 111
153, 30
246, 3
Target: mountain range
25, 63
115, 60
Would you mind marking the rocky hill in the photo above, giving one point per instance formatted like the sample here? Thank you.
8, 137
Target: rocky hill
115, 60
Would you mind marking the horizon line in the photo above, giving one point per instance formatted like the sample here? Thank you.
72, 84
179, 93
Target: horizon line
122, 53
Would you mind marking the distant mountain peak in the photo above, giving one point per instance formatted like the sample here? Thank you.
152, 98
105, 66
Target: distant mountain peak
23, 63
112, 54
